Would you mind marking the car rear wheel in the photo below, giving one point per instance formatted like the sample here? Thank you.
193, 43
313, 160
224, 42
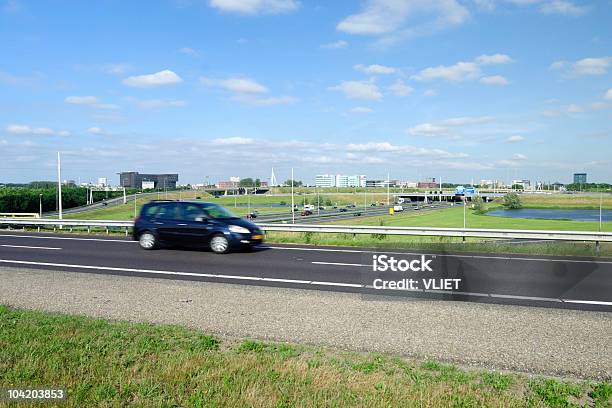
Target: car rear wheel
147, 240
219, 244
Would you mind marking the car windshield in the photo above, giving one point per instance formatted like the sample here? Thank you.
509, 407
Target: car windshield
217, 211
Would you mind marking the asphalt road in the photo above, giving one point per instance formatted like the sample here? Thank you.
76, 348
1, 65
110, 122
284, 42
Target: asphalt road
575, 283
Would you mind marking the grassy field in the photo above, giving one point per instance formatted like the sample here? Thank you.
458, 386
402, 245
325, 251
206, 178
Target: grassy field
566, 201
237, 204
102, 363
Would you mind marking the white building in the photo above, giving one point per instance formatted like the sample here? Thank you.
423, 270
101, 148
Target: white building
234, 179
339, 180
526, 184
325, 180
102, 182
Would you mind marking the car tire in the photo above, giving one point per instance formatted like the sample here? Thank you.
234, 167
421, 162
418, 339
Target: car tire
219, 244
147, 240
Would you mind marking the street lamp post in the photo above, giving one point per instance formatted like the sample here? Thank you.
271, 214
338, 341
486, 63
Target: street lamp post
40, 204
135, 199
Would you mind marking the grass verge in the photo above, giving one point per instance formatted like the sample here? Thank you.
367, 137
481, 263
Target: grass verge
103, 363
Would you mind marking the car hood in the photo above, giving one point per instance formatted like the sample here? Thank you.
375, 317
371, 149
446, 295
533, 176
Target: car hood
242, 223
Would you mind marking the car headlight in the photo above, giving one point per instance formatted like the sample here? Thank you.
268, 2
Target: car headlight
238, 229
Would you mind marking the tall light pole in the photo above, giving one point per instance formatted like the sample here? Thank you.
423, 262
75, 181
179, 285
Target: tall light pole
40, 205
600, 205
388, 186
292, 200
59, 185
135, 199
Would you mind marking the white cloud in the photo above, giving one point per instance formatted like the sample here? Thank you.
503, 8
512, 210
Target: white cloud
608, 94
116, 69
399, 88
362, 109
385, 17
374, 69
515, 139
429, 129
233, 141
592, 66
335, 45
18, 129
461, 71
585, 66
430, 92
386, 147
563, 7
468, 120
159, 103
359, 90
165, 77
239, 85
96, 131
255, 6
81, 100
189, 51
89, 101
494, 80
557, 65
447, 127
273, 100
493, 59
63, 133
519, 156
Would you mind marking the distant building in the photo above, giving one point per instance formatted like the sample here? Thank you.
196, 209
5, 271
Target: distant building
525, 184
382, 183
580, 178
133, 179
428, 183
102, 182
228, 184
339, 180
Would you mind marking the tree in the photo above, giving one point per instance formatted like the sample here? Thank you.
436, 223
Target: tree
296, 183
247, 182
478, 205
512, 201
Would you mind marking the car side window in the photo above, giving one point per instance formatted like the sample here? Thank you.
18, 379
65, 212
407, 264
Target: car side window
167, 211
191, 212
151, 211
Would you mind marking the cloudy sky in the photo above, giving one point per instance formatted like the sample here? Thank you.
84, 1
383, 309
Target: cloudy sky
458, 89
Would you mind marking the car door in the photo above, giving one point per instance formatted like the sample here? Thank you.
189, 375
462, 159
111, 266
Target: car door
166, 222
194, 226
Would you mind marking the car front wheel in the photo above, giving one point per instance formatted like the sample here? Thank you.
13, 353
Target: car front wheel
147, 240
219, 244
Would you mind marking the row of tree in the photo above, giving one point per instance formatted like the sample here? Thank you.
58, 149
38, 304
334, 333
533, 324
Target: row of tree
26, 199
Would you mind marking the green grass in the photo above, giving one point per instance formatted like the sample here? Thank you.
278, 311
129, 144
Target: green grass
104, 363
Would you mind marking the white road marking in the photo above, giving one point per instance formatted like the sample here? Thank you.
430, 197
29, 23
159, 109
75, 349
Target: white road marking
337, 263
588, 302
67, 238
28, 247
158, 272
319, 283
358, 251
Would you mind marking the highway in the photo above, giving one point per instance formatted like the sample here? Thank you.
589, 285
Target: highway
557, 282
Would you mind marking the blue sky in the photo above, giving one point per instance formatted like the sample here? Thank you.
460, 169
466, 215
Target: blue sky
458, 89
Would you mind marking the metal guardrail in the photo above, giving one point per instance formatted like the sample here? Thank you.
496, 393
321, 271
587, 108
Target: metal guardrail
20, 215
349, 229
445, 232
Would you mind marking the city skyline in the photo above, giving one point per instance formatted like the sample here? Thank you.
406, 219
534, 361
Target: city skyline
412, 88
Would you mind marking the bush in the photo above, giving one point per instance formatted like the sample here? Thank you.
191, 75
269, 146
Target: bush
512, 201
479, 205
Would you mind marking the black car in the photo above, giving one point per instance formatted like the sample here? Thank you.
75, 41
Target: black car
191, 223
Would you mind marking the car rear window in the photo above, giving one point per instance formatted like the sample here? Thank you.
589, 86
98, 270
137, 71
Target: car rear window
168, 211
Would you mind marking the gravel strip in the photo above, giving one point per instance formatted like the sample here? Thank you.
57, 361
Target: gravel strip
529, 339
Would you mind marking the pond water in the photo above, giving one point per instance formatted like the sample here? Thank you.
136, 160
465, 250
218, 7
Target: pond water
554, 214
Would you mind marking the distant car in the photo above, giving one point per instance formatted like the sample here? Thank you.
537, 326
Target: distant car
196, 224
343, 210
357, 214
306, 213
321, 208
373, 205
252, 215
